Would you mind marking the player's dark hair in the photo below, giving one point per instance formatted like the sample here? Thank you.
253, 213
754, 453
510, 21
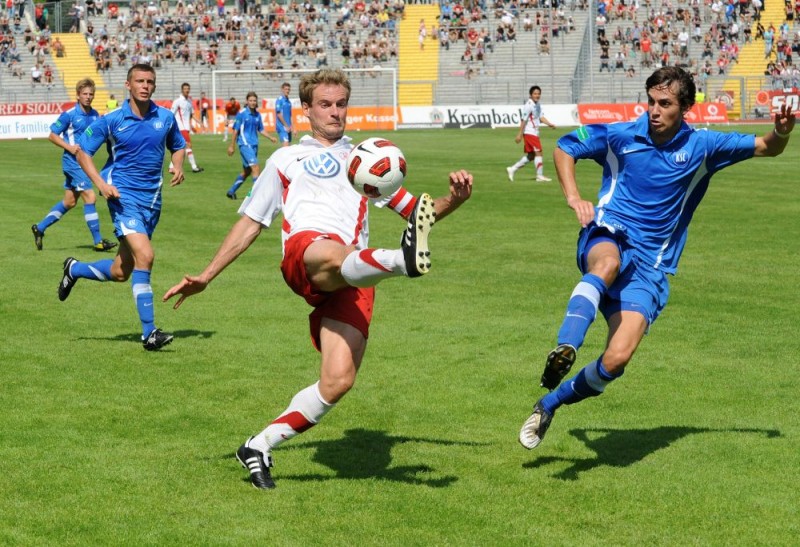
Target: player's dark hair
533, 88
251, 94
185, 84
141, 67
330, 76
666, 76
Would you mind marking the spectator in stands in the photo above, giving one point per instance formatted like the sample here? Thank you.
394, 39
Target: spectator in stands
58, 48
544, 45
36, 75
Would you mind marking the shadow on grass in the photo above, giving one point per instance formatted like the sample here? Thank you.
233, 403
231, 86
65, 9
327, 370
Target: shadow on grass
365, 454
625, 447
137, 337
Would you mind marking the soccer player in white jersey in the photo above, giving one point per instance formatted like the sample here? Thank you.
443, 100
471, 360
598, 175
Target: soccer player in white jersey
183, 109
656, 171
326, 255
531, 118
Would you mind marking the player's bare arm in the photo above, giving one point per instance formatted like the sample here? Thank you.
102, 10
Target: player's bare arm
460, 191
177, 162
87, 164
774, 142
565, 167
238, 240
60, 142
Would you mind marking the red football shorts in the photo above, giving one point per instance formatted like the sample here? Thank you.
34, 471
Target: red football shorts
532, 144
350, 305
187, 137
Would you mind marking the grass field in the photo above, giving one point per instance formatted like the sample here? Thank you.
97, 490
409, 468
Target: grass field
104, 443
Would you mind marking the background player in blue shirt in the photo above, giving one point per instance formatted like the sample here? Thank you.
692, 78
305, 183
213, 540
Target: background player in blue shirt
655, 172
139, 131
65, 132
283, 115
246, 129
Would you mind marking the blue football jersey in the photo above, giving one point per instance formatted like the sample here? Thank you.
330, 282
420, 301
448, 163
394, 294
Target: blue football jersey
70, 125
650, 192
138, 146
283, 106
249, 124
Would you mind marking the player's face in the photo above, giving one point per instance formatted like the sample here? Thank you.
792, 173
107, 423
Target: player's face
665, 112
142, 85
252, 102
286, 90
85, 97
536, 95
327, 112
185, 91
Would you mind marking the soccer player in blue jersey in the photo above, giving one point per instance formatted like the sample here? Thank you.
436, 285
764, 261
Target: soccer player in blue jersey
139, 130
656, 171
64, 133
283, 115
246, 129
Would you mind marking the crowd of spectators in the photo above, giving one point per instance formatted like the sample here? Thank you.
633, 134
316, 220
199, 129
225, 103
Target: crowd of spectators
652, 34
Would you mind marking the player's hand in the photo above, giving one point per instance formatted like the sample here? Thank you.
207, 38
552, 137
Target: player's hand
584, 210
177, 177
517, 139
230, 150
188, 286
108, 191
461, 185
785, 119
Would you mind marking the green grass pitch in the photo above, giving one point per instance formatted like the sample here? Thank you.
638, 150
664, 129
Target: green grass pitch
103, 443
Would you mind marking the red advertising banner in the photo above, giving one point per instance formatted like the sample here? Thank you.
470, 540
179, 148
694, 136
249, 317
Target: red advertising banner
773, 99
623, 112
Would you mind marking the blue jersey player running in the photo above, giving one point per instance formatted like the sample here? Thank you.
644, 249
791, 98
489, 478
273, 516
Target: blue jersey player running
65, 132
283, 115
139, 131
246, 129
655, 173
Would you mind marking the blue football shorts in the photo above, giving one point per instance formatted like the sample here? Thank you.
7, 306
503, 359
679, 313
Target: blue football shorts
76, 180
638, 287
132, 218
284, 135
249, 155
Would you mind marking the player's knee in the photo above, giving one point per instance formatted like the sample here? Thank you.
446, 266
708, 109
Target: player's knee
336, 387
606, 267
616, 358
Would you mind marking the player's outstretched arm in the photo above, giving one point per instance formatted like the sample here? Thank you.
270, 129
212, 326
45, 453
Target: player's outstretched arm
243, 233
460, 191
774, 142
565, 168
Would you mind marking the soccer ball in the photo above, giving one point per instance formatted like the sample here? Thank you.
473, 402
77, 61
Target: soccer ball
376, 168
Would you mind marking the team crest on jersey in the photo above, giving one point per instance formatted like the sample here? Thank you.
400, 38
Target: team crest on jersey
158, 125
322, 165
681, 157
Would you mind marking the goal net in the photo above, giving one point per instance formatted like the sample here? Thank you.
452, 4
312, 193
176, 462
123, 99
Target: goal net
373, 100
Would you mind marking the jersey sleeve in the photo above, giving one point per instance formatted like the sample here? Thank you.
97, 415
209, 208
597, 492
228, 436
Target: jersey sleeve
586, 142
725, 149
265, 200
237, 124
61, 124
95, 135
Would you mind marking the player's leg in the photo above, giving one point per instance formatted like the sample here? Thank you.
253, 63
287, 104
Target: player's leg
56, 212
93, 220
538, 162
342, 348
189, 153
525, 159
601, 255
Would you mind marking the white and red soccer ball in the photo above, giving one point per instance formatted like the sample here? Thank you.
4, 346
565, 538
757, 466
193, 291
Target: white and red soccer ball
376, 168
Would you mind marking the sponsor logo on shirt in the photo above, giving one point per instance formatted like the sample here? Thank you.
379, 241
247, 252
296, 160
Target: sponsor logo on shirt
322, 165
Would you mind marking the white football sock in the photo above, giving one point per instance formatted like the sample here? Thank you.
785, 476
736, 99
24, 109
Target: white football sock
366, 268
523, 161
304, 412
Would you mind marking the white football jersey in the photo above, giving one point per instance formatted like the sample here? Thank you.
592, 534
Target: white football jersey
182, 108
532, 113
308, 183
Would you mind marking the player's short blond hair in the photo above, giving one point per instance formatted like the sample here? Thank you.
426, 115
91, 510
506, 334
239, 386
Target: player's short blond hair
84, 83
309, 82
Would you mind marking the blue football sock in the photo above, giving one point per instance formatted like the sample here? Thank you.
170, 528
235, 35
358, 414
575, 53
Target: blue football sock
96, 271
92, 221
581, 310
236, 184
143, 295
53, 216
591, 381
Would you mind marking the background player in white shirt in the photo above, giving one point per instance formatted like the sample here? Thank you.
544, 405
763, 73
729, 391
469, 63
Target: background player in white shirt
532, 118
183, 110
326, 257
